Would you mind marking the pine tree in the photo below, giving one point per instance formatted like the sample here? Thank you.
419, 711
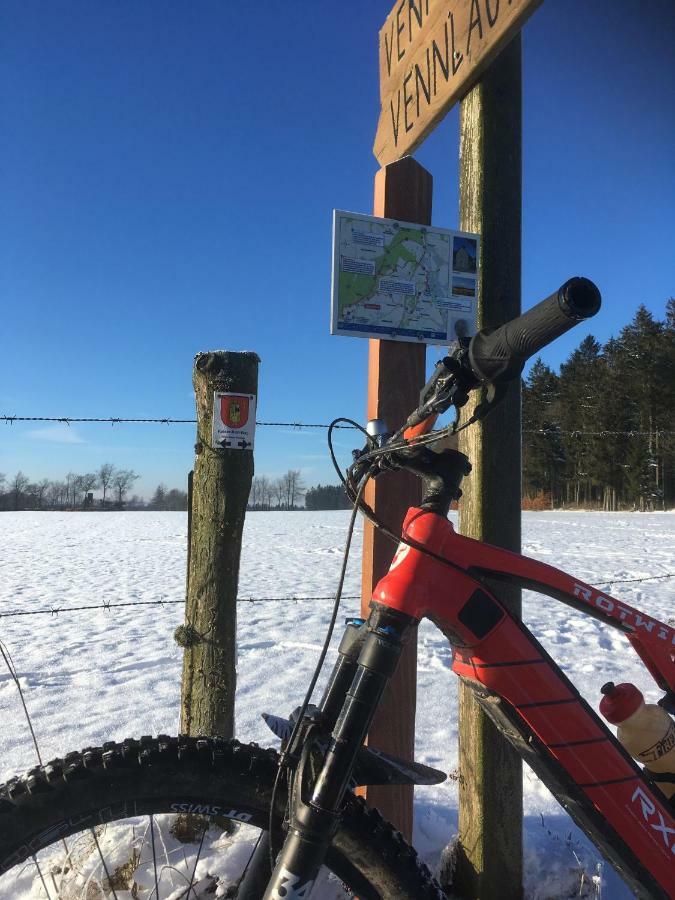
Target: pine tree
647, 368
614, 419
159, 498
543, 452
327, 496
580, 409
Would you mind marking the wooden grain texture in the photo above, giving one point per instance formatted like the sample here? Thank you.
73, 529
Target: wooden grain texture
396, 374
431, 53
490, 811
221, 483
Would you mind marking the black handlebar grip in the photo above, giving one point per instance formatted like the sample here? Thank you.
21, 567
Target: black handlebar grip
499, 354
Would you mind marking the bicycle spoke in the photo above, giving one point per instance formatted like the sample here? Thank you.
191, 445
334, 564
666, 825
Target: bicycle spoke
194, 870
105, 868
154, 855
248, 861
42, 878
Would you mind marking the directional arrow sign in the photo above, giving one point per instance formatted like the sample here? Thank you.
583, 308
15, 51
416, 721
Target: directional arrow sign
233, 425
431, 53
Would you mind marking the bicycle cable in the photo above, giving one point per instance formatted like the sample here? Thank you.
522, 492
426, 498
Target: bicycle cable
370, 514
355, 493
284, 754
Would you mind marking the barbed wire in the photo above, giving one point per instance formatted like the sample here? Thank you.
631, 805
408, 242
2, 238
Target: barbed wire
107, 606
634, 580
118, 420
292, 598
573, 433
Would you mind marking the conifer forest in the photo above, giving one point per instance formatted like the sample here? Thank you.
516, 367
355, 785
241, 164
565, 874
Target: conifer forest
600, 434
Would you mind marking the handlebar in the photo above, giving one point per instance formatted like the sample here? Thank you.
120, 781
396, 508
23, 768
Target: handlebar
499, 354
492, 358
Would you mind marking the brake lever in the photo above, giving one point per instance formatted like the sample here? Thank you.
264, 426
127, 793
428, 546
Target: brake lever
493, 395
449, 385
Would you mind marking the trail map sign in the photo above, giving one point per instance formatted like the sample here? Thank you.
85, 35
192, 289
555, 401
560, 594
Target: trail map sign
431, 54
402, 282
233, 421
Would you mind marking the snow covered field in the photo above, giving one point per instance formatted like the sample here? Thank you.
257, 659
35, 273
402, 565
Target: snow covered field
97, 675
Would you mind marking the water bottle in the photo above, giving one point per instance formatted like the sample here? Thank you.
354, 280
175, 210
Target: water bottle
645, 730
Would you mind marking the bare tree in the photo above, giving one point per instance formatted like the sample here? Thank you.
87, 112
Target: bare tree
70, 489
57, 494
87, 483
122, 481
39, 491
283, 493
289, 489
105, 477
17, 486
76, 489
279, 491
296, 488
254, 496
265, 492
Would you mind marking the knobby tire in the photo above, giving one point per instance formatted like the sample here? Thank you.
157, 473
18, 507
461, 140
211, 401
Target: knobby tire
226, 779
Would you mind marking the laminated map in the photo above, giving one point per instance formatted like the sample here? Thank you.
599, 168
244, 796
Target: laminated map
402, 282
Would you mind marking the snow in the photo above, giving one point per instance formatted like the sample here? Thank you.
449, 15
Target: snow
97, 675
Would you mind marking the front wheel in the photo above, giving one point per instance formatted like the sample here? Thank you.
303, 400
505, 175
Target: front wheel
110, 822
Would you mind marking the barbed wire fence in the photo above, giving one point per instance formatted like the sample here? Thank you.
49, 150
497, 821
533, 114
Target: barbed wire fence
165, 420
55, 611
108, 606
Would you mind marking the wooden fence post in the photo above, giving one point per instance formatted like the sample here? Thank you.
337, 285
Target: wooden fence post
490, 796
396, 374
220, 487
190, 482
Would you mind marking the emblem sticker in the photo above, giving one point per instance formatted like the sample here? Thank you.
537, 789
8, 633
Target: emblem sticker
233, 421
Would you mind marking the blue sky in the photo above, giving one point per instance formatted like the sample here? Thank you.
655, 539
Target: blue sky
167, 176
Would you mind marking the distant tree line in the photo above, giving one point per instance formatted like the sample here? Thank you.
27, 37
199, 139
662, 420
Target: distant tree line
75, 491
168, 500
328, 496
600, 433
284, 492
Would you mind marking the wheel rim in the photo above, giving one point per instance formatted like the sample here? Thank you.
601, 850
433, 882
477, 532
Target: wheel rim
145, 858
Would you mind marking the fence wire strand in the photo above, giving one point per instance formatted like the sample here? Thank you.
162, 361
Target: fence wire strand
291, 598
116, 420
163, 420
108, 606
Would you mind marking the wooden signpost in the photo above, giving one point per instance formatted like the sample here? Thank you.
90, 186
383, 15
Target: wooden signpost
431, 53
489, 861
395, 377
434, 53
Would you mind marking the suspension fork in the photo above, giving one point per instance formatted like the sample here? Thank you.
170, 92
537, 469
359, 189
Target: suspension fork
315, 811
258, 871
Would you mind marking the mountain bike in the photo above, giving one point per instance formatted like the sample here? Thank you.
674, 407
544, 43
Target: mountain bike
302, 798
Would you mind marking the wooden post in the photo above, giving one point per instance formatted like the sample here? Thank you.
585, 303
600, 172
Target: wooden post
396, 374
190, 482
220, 487
490, 797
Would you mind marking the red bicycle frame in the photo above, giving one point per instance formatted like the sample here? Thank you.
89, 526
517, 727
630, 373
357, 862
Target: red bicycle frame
538, 708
